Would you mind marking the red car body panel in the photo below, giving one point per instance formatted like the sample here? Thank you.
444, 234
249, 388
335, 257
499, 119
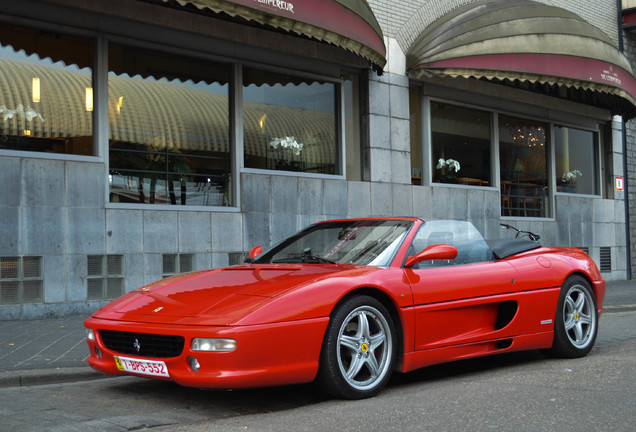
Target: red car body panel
278, 313
253, 364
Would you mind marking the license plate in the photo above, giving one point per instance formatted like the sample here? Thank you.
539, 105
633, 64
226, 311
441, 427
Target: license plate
143, 367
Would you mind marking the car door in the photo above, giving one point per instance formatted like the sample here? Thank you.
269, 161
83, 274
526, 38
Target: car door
468, 299
457, 304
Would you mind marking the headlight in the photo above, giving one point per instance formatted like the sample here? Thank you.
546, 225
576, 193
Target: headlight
90, 334
214, 345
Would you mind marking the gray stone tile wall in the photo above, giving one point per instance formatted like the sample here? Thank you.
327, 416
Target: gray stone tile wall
389, 147
64, 235
629, 41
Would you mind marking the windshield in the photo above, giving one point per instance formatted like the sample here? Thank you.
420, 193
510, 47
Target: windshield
367, 242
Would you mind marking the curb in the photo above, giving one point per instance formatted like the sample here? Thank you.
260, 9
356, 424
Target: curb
38, 377
622, 308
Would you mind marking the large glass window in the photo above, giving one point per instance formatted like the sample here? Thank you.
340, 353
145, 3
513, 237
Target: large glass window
168, 128
46, 92
289, 123
576, 159
460, 145
523, 156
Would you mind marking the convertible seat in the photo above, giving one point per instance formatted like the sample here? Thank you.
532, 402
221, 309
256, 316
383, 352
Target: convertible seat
503, 248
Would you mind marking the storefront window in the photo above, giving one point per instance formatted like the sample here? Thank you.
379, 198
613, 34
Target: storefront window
289, 123
460, 145
45, 92
168, 129
576, 153
523, 155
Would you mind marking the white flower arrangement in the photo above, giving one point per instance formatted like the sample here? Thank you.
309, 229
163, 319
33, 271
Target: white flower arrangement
451, 164
570, 176
287, 143
22, 112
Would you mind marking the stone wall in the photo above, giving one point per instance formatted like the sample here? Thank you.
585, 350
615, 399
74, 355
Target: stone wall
629, 45
55, 209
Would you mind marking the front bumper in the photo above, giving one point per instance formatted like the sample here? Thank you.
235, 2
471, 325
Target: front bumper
266, 355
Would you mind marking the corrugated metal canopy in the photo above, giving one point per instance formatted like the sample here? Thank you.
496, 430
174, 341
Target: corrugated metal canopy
349, 24
527, 41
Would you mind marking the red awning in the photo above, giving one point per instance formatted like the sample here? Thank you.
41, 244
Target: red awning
349, 24
524, 40
629, 15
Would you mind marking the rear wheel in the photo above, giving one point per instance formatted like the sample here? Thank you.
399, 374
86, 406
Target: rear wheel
359, 349
576, 321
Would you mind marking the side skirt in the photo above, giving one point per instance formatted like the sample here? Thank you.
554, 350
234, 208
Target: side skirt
418, 359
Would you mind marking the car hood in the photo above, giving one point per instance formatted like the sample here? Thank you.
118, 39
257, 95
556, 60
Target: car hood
213, 297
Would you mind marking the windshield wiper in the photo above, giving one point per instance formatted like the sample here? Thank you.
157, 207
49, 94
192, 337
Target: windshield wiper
306, 258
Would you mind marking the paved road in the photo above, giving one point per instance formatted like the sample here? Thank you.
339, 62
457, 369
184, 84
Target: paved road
516, 392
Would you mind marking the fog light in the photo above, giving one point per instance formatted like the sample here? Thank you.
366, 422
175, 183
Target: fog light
90, 334
98, 353
213, 345
194, 364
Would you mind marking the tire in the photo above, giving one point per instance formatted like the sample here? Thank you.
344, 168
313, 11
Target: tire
576, 321
359, 350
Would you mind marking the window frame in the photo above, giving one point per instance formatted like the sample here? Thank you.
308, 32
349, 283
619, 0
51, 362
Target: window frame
590, 120
490, 114
93, 37
550, 166
426, 160
105, 131
599, 159
339, 105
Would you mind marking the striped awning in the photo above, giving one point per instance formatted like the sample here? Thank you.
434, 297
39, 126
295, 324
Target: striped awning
526, 41
628, 13
349, 24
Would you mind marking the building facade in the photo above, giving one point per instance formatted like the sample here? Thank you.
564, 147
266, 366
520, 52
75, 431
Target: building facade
628, 46
145, 138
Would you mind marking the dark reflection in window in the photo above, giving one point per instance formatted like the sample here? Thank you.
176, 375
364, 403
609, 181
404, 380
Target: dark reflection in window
168, 128
289, 123
415, 124
461, 145
352, 126
576, 160
45, 91
523, 155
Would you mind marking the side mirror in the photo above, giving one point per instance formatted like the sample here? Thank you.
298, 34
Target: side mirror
439, 252
255, 251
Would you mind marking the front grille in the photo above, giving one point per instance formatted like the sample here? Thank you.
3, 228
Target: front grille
143, 344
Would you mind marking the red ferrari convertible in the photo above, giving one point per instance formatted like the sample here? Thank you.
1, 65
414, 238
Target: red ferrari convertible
346, 303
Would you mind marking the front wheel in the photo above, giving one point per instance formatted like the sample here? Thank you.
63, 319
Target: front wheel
359, 349
576, 321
